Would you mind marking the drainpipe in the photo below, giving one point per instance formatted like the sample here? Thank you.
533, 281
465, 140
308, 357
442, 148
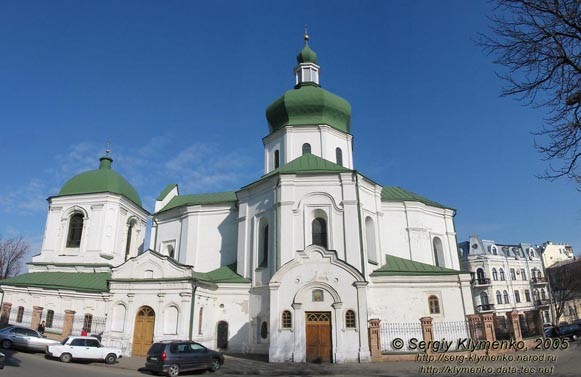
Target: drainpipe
363, 265
192, 307
153, 220
276, 231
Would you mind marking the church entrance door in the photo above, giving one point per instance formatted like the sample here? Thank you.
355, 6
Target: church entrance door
222, 338
318, 335
143, 331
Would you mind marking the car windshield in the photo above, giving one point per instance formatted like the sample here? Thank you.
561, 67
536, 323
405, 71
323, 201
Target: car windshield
64, 341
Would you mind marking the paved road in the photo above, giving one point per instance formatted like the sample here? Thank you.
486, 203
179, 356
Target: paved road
568, 363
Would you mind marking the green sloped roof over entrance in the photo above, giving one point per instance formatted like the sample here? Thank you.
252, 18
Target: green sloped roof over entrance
85, 282
309, 163
226, 274
396, 266
397, 194
196, 199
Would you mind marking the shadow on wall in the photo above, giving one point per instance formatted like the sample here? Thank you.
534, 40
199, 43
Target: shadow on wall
238, 343
228, 230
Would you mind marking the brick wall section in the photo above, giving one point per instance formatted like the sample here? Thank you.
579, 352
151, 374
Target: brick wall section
5, 316
36, 316
374, 338
68, 323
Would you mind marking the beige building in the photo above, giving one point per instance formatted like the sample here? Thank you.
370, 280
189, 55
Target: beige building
552, 253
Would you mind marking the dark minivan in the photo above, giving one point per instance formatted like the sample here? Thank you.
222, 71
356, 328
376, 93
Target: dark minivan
173, 357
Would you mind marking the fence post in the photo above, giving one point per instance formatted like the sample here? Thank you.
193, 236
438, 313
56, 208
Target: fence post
5, 317
36, 316
514, 325
488, 319
475, 326
68, 322
427, 328
374, 337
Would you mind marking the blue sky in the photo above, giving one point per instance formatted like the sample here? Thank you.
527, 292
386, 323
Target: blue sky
180, 88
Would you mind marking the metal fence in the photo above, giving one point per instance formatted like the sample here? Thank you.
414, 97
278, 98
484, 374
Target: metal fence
20, 316
389, 331
54, 322
93, 325
451, 330
501, 329
529, 325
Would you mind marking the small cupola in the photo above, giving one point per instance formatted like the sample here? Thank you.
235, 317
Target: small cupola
307, 70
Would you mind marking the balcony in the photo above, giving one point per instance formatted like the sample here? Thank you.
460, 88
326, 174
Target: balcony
539, 280
482, 282
542, 302
485, 308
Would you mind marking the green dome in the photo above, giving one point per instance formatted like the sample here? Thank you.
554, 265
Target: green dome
307, 55
308, 105
103, 179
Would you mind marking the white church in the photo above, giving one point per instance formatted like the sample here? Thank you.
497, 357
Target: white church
292, 265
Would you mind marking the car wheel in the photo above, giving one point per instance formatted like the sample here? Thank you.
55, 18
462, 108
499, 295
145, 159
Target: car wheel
215, 365
66, 357
111, 358
6, 344
173, 371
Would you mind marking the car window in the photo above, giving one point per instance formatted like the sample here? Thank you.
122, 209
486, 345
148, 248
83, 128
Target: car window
93, 343
19, 331
197, 348
183, 348
78, 342
157, 348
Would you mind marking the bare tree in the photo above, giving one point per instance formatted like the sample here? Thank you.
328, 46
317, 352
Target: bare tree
565, 283
12, 253
539, 41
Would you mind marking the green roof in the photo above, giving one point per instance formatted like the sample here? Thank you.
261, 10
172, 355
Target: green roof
103, 179
309, 163
166, 191
396, 266
226, 274
397, 194
307, 55
309, 105
86, 282
196, 199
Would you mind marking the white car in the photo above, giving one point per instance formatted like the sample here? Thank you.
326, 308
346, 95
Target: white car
83, 347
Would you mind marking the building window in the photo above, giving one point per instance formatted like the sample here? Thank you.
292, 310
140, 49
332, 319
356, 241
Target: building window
438, 252
20, 314
494, 274
512, 274
498, 297
319, 229
49, 318
527, 295
171, 252
494, 250
264, 330
502, 277
505, 294
276, 159
264, 259
200, 320
483, 298
543, 295
75, 230
88, 322
350, 319
306, 148
434, 304
286, 319
318, 295
128, 243
516, 296
339, 156
523, 274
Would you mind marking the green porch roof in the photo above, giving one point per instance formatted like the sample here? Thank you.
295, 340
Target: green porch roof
397, 194
195, 199
396, 266
85, 282
226, 274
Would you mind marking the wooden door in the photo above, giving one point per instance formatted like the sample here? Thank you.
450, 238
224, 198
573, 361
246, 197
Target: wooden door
318, 334
143, 331
222, 336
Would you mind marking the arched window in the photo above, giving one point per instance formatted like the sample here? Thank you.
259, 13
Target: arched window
286, 319
129, 235
512, 274
434, 304
306, 148
498, 297
494, 274
75, 230
276, 159
118, 322
88, 322
339, 156
264, 330
483, 298
200, 320
480, 275
505, 294
170, 320
370, 237
264, 247
350, 319
494, 250
543, 294
49, 318
319, 230
438, 252
502, 277
20, 314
